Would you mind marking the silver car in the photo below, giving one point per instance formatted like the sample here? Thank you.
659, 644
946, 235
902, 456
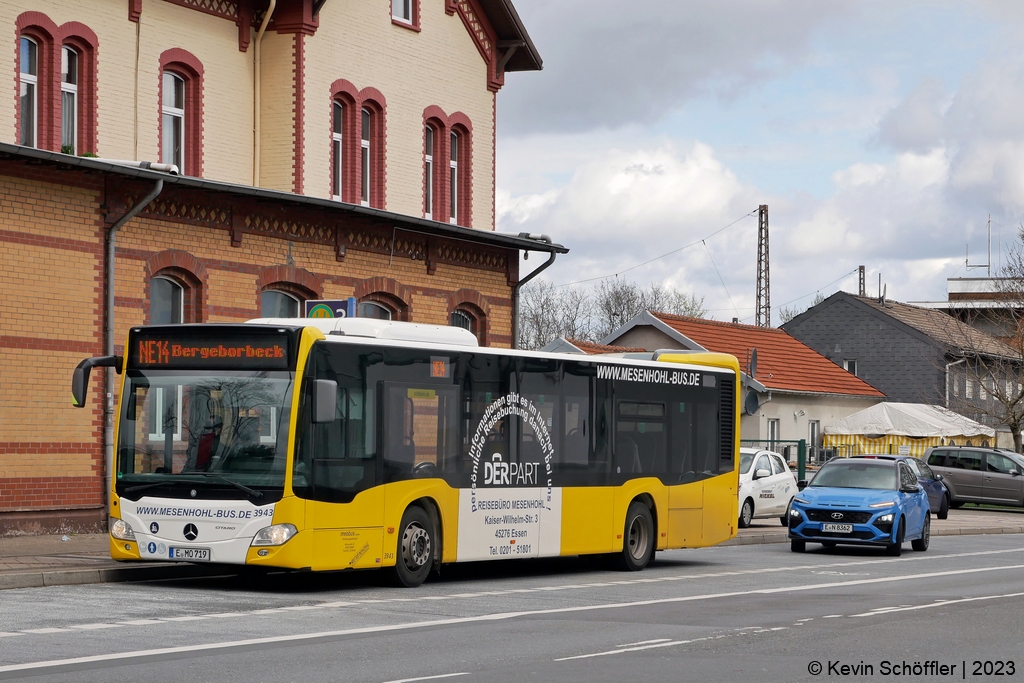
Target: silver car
979, 475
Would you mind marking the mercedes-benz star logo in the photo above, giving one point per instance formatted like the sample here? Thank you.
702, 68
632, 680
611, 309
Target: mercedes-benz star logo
835, 515
191, 532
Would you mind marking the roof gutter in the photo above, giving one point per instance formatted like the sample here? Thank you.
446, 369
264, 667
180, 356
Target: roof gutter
519, 285
108, 397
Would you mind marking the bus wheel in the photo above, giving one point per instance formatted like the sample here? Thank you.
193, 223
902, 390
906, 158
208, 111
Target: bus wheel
415, 548
637, 539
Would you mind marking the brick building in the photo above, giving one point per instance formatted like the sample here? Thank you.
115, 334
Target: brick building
349, 152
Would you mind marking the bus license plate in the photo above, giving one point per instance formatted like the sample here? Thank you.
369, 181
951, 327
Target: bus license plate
838, 528
191, 554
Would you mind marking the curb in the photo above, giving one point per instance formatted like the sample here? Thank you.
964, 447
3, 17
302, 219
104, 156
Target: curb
782, 537
68, 577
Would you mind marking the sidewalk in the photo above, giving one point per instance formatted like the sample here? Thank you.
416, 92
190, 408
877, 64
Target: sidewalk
33, 561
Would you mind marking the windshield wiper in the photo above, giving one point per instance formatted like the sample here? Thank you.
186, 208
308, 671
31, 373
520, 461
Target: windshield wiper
241, 487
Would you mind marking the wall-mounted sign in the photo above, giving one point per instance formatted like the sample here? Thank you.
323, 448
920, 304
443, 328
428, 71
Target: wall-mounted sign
331, 308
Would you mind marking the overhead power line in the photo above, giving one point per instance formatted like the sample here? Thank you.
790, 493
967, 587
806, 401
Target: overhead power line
656, 258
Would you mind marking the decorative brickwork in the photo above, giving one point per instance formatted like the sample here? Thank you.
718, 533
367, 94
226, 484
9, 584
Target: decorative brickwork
186, 270
226, 9
289, 278
389, 292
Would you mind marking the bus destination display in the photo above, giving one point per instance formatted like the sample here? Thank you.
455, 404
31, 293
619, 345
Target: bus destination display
269, 353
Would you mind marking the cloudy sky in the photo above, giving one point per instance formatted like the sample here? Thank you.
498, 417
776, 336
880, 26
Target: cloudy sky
879, 132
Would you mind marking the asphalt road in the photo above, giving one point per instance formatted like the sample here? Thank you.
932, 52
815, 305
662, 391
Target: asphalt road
741, 613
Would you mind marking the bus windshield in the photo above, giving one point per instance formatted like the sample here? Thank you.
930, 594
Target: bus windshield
224, 428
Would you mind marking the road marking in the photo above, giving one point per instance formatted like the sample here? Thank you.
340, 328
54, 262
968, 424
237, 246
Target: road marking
95, 627
52, 666
46, 630
644, 642
460, 596
941, 603
4, 634
428, 678
832, 616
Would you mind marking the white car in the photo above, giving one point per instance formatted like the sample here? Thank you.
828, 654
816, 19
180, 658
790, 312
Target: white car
766, 486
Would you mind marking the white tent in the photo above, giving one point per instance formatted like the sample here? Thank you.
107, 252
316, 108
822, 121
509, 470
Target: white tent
916, 420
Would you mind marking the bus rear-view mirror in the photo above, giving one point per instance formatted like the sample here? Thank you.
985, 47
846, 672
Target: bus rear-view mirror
325, 400
80, 379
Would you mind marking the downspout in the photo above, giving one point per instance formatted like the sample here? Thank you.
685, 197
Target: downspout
108, 399
948, 366
256, 95
515, 290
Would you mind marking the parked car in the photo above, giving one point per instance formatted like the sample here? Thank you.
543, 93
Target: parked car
766, 486
979, 475
938, 494
859, 501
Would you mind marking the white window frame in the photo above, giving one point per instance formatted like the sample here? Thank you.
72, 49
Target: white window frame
774, 429
156, 403
338, 172
850, 363
29, 79
181, 298
272, 437
404, 7
391, 314
453, 175
968, 387
365, 150
178, 113
71, 89
297, 300
428, 171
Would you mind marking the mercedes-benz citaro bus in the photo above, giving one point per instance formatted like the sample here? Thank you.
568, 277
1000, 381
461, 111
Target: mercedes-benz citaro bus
331, 444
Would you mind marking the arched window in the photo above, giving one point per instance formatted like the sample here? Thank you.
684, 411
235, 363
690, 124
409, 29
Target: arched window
277, 304
166, 302
68, 100
181, 111
173, 123
373, 309
29, 87
337, 149
365, 163
463, 320
428, 172
453, 178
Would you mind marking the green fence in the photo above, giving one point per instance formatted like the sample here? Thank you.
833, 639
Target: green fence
775, 444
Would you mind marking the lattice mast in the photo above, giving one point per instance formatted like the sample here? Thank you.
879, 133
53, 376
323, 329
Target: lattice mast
763, 304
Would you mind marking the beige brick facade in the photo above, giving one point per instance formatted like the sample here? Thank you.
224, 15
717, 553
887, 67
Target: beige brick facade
221, 244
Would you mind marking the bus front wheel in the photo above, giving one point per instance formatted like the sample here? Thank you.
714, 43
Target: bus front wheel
638, 538
415, 548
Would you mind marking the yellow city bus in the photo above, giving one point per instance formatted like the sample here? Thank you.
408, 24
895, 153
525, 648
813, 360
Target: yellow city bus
357, 443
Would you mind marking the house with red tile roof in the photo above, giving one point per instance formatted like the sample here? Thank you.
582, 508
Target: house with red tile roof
799, 391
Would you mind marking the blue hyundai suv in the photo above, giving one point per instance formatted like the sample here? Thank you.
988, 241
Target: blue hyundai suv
859, 501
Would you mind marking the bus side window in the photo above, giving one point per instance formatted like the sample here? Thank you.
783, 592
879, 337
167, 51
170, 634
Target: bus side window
683, 448
574, 454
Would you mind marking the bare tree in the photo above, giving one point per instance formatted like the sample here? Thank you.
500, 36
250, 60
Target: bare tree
547, 312
786, 314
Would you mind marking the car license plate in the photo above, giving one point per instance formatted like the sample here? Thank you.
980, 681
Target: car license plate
190, 554
838, 528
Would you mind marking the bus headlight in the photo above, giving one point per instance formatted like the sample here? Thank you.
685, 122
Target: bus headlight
121, 529
279, 534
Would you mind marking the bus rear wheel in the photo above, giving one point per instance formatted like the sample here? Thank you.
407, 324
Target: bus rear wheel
415, 551
637, 538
